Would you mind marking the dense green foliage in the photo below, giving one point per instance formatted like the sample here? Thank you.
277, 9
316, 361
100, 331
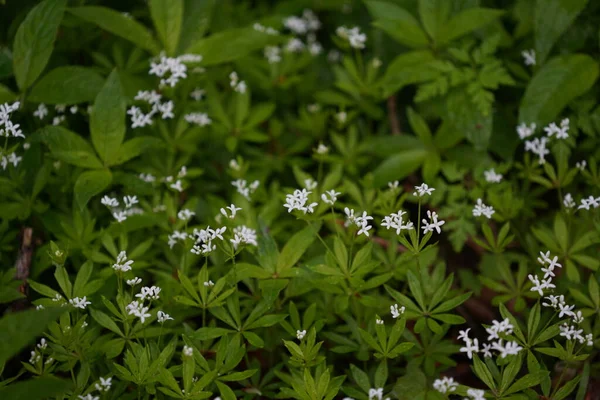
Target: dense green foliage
308, 199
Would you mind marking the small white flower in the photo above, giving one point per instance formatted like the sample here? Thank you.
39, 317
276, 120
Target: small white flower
353, 36
300, 334
471, 346
294, 45
233, 164
528, 56
137, 309
433, 223
130, 201
232, 211
538, 146
322, 149
481, 209
486, 349
209, 283
561, 133
151, 292
122, 264
80, 302
188, 351
393, 185
341, 117
310, 184
568, 201
135, 281
565, 310
162, 317
423, 190
39, 307
109, 201
313, 108
177, 186
375, 394
198, 118
88, 397
197, 94
397, 312
445, 385
120, 216
185, 214
298, 200
581, 165
578, 317
105, 384
363, 223
272, 54
42, 344
41, 111
379, 321
476, 394
330, 197
492, 177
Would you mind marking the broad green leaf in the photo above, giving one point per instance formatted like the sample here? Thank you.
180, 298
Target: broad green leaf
167, 16
230, 45
118, 24
482, 371
467, 118
105, 321
296, 246
134, 147
196, 20
434, 14
39, 388
89, 184
209, 333
399, 166
20, 329
552, 19
360, 377
526, 382
408, 68
467, 21
107, 121
67, 85
553, 87
34, 41
567, 388
398, 23
69, 147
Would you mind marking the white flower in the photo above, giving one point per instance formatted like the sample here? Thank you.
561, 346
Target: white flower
423, 190
209, 283
122, 264
190, 58
162, 317
298, 201
296, 24
341, 117
109, 201
350, 218
433, 223
197, 94
294, 45
393, 185
198, 118
243, 235
42, 344
177, 186
268, 30
137, 309
300, 334
233, 164
511, 348
486, 349
589, 339
565, 310
568, 201
396, 312
244, 189
491, 176
497, 327
204, 238
80, 302
353, 36
363, 223
104, 385
553, 301
445, 385
188, 351
151, 292
538, 146
58, 120
379, 321
40, 307
236, 84
232, 211
476, 394
170, 70
185, 214
581, 165
330, 197
272, 54
471, 346
313, 108
322, 149
528, 56
134, 281
120, 216
591, 201
537, 286
481, 209
310, 184
88, 397
375, 393
35, 357
578, 317
148, 178
10, 128
130, 201
73, 109
41, 111
561, 133
395, 221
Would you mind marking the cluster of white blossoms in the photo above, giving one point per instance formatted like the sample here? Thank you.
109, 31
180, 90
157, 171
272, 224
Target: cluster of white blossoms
80, 302
445, 385
298, 200
176, 182
236, 84
204, 239
433, 223
528, 56
568, 201
120, 213
491, 176
37, 354
525, 131
140, 119
376, 394
396, 221
591, 201
197, 94
244, 235
265, 29
42, 111
538, 146
123, 264
232, 211
171, 70
300, 334
397, 312
481, 209
244, 188
149, 292
104, 384
561, 132
188, 351
272, 54
354, 36
496, 341
198, 118
321, 149
185, 215
423, 190
9, 129
330, 197
361, 221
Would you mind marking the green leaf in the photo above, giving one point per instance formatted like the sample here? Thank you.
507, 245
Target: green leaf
526, 382
6, 95
296, 246
40, 388
105, 321
452, 303
398, 23
553, 87
466, 117
196, 19
209, 333
467, 21
82, 278
34, 41
134, 147
167, 16
398, 166
118, 24
552, 19
89, 184
434, 14
360, 377
107, 121
67, 85
230, 45
69, 147
419, 127
482, 371
18, 330
567, 388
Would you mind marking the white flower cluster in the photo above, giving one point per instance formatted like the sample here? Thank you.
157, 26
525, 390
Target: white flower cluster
139, 119
137, 309
423, 190
104, 384
300, 334
548, 266
538, 145
568, 201
197, 94
321, 149
232, 211
481, 209
185, 215
134, 281
591, 201
561, 132
433, 223
525, 131
203, 240
169, 69
376, 394
122, 264
88, 396
491, 176
188, 351
80, 302
173, 238
396, 221
397, 312
528, 56
299, 201
236, 84
445, 385
272, 54
7, 127
10, 158
244, 189
265, 29
198, 118
354, 36
496, 341
244, 235
121, 214
178, 184
330, 197
361, 221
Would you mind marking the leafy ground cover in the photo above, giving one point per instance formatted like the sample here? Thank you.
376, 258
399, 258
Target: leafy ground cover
333, 199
